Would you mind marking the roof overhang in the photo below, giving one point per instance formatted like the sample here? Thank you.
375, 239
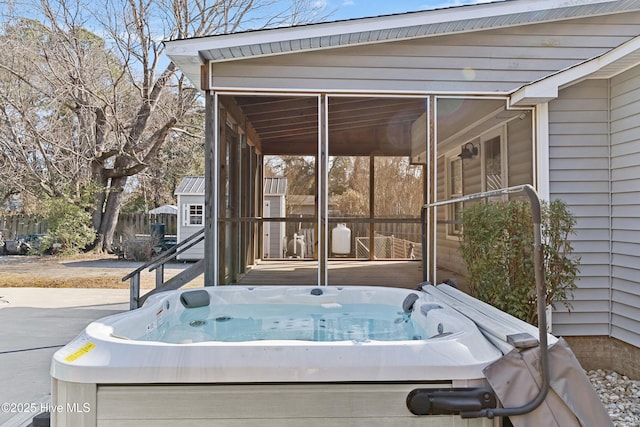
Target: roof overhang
604, 66
189, 54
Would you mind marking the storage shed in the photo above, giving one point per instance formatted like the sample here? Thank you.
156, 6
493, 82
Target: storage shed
190, 194
275, 191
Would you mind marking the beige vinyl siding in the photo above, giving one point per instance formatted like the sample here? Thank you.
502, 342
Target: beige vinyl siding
519, 169
447, 254
625, 209
579, 175
520, 151
472, 172
488, 61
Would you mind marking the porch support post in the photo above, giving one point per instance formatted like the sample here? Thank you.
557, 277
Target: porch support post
323, 194
430, 187
211, 190
258, 228
245, 199
541, 151
235, 167
372, 204
223, 176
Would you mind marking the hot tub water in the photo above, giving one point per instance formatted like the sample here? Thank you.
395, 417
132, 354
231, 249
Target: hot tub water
253, 322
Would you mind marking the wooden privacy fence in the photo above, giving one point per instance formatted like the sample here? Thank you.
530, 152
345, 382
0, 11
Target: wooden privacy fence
129, 224
132, 224
16, 226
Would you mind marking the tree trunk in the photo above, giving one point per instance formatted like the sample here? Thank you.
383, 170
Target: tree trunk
100, 196
109, 217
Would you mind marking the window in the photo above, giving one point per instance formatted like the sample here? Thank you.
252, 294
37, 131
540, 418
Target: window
494, 163
454, 211
196, 215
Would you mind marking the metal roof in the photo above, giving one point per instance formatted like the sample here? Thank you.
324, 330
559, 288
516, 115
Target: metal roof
191, 185
188, 54
194, 185
275, 186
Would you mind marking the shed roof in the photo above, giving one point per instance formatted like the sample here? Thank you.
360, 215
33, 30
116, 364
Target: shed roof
191, 185
190, 53
275, 186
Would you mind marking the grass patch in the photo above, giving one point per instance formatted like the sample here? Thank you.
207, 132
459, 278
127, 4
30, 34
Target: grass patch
20, 280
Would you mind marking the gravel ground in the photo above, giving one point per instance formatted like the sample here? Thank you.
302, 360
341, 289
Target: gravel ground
620, 396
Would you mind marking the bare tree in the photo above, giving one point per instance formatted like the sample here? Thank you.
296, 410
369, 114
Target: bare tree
96, 99
349, 183
42, 152
393, 176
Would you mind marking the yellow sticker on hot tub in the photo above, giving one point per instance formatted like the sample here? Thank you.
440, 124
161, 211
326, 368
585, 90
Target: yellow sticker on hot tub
78, 354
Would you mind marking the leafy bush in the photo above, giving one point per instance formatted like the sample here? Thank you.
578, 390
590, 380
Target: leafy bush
497, 248
69, 227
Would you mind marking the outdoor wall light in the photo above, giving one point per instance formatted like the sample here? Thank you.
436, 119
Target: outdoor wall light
469, 151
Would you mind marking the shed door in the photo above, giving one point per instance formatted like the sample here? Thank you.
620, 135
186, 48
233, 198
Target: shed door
266, 229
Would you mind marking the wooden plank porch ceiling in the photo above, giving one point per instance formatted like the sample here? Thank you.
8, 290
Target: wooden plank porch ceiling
398, 274
358, 126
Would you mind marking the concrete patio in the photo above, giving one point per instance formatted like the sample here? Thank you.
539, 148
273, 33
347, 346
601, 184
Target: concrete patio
36, 323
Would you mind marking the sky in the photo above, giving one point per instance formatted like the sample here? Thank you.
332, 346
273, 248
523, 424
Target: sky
348, 9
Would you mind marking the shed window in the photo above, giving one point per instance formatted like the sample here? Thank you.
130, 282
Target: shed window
195, 215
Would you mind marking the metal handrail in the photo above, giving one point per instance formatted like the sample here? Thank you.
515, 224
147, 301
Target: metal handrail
177, 249
158, 265
314, 219
538, 257
171, 253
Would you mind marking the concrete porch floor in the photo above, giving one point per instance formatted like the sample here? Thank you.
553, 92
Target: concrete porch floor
405, 274
396, 273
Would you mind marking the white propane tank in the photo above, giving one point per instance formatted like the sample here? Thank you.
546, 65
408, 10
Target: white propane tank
341, 240
295, 248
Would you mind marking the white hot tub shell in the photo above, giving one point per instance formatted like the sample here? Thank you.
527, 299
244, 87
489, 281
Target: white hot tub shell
119, 372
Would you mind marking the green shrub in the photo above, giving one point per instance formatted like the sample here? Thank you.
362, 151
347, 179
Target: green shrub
497, 247
69, 227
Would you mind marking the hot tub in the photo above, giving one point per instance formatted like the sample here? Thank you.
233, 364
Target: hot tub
281, 356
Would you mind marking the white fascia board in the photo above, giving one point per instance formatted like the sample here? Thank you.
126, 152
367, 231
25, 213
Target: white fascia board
547, 89
534, 94
194, 46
